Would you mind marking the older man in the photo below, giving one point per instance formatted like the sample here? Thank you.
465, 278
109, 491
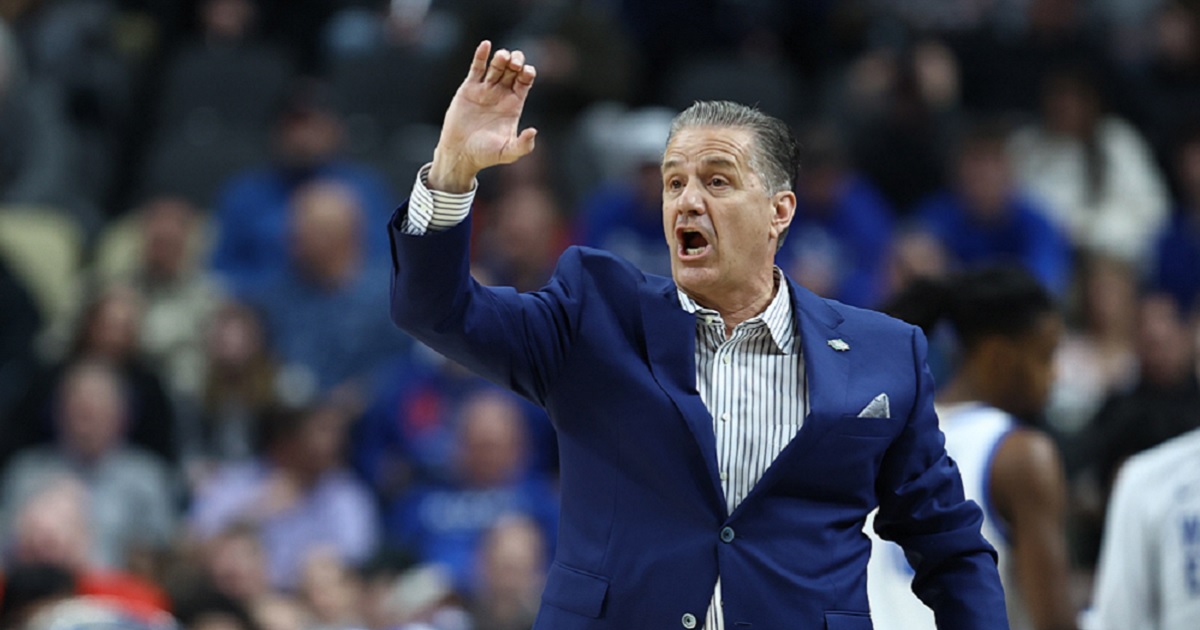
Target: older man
723, 434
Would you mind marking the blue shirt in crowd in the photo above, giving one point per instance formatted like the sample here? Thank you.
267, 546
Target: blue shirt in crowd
1021, 235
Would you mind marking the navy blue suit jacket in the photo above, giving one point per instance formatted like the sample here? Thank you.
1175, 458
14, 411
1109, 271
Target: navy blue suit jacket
610, 354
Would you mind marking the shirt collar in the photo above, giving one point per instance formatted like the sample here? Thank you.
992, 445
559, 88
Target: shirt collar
777, 316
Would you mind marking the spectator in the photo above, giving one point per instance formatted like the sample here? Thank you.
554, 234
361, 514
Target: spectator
512, 573
522, 244
985, 218
327, 314
179, 297
297, 494
128, 491
1098, 355
252, 216
407, 434
842, 227
1161, 405
54, 528
236, 564
1169, 81
1094, 172
1178, 247
1148, 565
240, 386
108, 331
423, 598
446, 523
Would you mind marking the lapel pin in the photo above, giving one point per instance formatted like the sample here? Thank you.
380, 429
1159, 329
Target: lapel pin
839, 345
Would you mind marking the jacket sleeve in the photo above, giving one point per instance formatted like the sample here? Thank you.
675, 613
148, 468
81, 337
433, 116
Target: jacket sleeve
922, 508
517, 340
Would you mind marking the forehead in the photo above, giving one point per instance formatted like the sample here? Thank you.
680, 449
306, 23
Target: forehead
702, 144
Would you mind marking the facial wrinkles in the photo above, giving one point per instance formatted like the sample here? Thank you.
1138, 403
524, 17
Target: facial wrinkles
695, 158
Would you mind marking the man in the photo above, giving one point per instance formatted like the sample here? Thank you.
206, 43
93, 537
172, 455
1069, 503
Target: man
1149, 571
722, 436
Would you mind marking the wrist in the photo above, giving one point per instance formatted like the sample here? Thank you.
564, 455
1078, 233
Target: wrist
451, 174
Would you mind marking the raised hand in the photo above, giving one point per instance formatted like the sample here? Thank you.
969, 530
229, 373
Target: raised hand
480, 128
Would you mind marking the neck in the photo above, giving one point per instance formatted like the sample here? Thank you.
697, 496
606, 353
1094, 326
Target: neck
971, 385
745, 302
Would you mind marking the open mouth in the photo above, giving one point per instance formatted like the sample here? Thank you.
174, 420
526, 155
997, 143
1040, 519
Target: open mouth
692, 243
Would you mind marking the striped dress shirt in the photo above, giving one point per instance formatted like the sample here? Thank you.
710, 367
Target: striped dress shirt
753, 385
752, 381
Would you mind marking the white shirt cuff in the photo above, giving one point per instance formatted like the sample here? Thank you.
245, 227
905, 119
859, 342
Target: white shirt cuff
435, 210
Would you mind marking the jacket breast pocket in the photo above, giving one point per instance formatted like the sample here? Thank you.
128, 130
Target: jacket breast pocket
854, 426
848, 621
575, 591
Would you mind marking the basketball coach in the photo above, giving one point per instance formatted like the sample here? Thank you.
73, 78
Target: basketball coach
723, 433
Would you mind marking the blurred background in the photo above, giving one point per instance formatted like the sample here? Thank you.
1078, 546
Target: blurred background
205, 410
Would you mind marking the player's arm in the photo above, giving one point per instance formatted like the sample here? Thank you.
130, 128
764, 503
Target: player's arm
1029, 491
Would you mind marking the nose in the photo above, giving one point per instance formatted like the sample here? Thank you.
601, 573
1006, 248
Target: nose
690, 201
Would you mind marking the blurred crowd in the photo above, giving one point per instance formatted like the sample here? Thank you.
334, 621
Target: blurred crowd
205, 410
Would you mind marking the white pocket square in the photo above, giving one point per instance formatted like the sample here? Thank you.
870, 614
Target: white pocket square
877, 408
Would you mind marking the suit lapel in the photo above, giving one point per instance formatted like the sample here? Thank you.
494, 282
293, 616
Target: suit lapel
827, 377
670, 334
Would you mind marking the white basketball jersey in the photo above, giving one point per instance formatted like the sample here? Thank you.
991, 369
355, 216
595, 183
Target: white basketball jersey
973, 433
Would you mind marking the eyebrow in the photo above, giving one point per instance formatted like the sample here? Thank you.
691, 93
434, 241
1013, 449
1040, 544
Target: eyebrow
715, 160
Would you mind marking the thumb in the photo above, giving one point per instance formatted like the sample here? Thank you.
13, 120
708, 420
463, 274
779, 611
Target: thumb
525, 143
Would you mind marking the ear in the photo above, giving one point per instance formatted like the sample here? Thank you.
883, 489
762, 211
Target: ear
784, 205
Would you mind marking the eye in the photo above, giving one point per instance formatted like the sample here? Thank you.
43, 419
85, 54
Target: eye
718, 182
674, 183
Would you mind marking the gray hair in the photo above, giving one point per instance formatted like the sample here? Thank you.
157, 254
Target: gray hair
775, 158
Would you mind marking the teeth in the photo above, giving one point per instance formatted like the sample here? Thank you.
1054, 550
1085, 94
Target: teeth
693, 251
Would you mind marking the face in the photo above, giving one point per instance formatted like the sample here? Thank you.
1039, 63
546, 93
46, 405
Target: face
491, 443
720, 221
984, 178
92, 412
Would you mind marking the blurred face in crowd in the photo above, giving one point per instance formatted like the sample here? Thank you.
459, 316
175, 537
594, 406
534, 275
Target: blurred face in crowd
325, 232
1110, 297
1071, 107
113, 326
236, 338
51, 527
227, 20
526, 218
985, 179
91, 410
491, 446
237, 565
721, 223
167, 226
1165, 345
1176, 34
320, 441
307, 137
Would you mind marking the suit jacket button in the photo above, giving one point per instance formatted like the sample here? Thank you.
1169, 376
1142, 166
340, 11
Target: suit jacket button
689, 621
727, 535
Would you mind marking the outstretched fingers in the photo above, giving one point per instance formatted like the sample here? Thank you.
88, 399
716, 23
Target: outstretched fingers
524, 81
516, 63
498, 66
479, 63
